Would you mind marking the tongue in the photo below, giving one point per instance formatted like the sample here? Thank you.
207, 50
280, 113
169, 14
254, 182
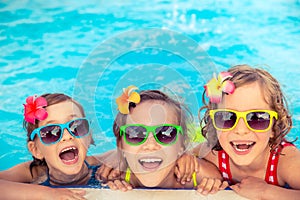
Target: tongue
242, 146
68, 155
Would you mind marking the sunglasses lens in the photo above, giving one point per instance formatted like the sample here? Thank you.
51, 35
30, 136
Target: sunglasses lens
166, 134
258, 120
225, 119
50, 134
135, 134
79, 127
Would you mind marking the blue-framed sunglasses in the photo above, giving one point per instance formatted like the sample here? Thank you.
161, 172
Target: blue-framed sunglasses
52, 133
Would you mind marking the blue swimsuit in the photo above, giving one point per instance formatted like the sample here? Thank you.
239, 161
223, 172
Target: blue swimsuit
93, 181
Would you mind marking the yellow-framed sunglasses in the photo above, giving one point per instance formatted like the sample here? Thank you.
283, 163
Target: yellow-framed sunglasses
255, 120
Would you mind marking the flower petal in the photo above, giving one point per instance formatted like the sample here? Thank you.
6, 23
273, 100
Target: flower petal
213, 90
127, 96
223, 76
29, 117
30, 99
123, 104
134, 97
228, 87
40, 102
41, 114
130, 89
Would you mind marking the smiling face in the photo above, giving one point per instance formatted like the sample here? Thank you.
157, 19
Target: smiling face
66, 156
151, 162
243, 145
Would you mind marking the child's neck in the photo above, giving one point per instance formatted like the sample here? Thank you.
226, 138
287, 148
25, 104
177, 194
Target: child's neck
257, 168
62, 179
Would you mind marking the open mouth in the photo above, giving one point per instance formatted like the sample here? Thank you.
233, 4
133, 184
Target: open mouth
150, 164
69, 155
242, 146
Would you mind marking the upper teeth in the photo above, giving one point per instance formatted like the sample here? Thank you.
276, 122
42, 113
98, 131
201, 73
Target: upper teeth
248, 143
67, 149
150, 160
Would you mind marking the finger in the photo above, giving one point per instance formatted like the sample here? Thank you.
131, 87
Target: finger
235, 187
112, 185
114, 174
186, 176
127, 185
208, 186
201, 185
224, 185
120, 185
216, 186
196, 163
177, 173
105, 171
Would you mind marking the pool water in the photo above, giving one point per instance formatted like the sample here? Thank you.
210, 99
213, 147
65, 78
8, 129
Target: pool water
92, 49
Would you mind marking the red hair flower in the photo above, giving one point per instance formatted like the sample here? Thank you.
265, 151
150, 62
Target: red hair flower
34, 109
216, 86
128, 96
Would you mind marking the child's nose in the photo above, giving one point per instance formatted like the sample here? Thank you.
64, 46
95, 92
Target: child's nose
241, 127
151, 143
67, 135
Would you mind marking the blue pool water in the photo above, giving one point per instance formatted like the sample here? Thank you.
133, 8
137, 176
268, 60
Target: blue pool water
91, 49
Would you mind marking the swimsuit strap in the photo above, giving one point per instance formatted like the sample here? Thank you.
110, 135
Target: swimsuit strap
93, 181
194, 176
271, 172
127, 175
224, 166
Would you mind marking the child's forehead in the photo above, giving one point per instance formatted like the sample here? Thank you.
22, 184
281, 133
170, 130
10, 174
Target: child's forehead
63, 109
152, 112
245, 97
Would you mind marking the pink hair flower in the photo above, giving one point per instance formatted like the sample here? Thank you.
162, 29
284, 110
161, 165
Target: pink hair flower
216, 86
34, 109
127, 96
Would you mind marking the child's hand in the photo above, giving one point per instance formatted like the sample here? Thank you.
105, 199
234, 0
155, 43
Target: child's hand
211, 186
106, 173
119, 185
251, 187
186, 165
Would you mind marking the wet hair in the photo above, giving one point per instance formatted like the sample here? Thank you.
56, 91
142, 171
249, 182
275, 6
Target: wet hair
182, 114
51, 99
243, 75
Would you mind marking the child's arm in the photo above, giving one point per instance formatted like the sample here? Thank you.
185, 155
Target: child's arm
19, 173
209, 179
14, 190
287, 171
14, 184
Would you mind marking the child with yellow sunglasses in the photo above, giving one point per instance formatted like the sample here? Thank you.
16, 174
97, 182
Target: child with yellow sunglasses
245, 123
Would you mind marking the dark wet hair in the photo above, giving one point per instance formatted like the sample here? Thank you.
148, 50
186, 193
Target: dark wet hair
243, 75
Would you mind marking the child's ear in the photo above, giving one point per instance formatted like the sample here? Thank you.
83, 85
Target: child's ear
34, 150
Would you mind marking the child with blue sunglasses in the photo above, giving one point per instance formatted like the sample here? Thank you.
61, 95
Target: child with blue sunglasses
152, 133
58, 138
245, 123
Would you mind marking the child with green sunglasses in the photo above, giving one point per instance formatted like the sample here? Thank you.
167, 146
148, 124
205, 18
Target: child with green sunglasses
245, 123
58, 136
152, 133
